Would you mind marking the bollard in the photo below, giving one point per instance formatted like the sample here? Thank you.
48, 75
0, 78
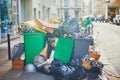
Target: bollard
9, 51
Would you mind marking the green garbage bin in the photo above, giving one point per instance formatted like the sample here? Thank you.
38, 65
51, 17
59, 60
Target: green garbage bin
33, 45
63, 50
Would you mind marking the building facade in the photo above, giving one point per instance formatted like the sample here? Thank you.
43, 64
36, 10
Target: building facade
92, 7
98, 7
43, 9
13, 12
114, 8
106, 7
73, 8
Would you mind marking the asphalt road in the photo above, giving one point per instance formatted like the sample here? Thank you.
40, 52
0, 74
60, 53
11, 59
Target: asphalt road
108, 38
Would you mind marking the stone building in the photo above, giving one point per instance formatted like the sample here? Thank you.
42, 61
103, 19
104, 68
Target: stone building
73, 8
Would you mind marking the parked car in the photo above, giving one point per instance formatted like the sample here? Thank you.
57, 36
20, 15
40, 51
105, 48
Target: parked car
116, 20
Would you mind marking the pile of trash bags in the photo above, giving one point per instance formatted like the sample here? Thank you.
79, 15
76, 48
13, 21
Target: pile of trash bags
72, 60
76, 69
71, 28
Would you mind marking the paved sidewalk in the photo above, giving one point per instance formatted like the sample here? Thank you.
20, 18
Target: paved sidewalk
6, 71
5, 63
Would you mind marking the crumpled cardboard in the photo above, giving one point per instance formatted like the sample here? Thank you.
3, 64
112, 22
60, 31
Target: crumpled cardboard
44, 52
44, 25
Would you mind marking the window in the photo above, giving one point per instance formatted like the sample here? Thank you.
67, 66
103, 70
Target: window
75, 3
76, 12
34, 13
66, 3
53, 2
66, 13
39, 14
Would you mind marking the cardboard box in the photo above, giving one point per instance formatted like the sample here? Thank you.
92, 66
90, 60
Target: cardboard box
17, 64
44, 25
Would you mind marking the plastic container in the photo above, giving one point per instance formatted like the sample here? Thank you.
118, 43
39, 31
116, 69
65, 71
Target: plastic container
33, 44
80, 47
63, 50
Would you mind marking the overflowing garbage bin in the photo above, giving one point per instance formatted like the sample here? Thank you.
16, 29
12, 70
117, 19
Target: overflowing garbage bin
33, 43
70, 59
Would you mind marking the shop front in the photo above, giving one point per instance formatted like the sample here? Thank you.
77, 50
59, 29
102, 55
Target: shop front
114, 9
8, 18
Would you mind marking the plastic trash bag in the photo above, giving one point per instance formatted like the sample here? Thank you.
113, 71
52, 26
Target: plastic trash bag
54, 66
17, 51
68, 27
30, 68
41, 64
80, 72
75, 62
62, 71
96, 70
39, 60
66, 71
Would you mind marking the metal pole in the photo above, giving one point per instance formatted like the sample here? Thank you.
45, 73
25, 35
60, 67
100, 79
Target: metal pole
9, 51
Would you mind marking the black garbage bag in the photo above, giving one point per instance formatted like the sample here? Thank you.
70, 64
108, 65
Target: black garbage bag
54, 69
66, 71
93, 73
62, 71
75, 62
44, 69
96, 70
68, 27
54, 66
49, 50
17, 51
50, 38
57, 32
80, 72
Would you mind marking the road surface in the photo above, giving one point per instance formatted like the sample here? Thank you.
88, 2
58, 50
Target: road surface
108, 39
